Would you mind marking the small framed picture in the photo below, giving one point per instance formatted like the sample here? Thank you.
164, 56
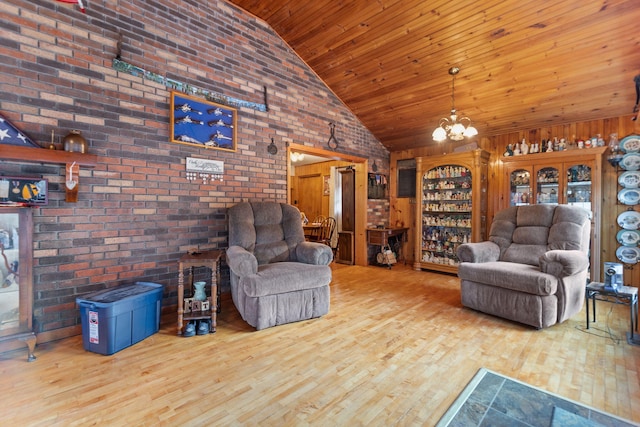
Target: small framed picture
326, 186
196, 121
23, 191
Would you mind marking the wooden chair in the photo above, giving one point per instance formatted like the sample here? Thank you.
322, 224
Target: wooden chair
326, 231
318, 219
315, 234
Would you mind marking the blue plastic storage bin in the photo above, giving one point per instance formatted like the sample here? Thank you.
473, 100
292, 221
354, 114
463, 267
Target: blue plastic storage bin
117, 318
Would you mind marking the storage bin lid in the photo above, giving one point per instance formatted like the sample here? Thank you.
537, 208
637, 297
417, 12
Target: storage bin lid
121, 292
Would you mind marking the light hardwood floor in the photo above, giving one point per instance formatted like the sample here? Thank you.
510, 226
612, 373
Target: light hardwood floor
396, 349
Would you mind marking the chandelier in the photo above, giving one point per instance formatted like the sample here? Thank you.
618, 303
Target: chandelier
454, 128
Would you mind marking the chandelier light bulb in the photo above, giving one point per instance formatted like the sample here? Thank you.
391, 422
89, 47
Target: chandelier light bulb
470, 131
439, 134
457, 129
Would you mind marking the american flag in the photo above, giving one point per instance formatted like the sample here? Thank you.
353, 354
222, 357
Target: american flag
10, 135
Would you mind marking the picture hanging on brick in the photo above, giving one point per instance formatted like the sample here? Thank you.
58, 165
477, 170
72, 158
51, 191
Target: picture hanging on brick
196, 121
23, 191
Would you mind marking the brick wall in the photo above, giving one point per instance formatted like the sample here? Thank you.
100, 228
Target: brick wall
136, 212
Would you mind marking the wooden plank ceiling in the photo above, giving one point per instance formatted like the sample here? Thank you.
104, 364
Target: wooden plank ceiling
523, 64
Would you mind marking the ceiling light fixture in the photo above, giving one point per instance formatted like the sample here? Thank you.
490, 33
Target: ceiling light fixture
296, 157
453, 127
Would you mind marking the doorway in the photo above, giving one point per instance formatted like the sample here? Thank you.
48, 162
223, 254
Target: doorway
359, 166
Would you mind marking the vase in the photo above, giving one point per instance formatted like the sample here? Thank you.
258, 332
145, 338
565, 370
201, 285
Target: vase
200, 294
75, 142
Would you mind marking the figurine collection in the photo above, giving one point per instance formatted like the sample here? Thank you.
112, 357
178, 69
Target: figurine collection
552, 144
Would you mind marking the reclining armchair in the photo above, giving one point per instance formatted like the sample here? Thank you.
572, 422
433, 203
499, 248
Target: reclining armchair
533, 269
276, 277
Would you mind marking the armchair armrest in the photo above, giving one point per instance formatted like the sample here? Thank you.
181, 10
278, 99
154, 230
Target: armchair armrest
562, 263
314, 253
478, 252
241, 261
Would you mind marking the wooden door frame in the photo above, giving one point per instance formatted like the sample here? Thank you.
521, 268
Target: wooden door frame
361, 166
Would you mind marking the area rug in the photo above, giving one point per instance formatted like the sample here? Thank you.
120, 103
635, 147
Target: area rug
491, 399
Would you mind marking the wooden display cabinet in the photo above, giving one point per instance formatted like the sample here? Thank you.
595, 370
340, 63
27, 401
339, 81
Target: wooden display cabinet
451, 208
16, 286
572, 177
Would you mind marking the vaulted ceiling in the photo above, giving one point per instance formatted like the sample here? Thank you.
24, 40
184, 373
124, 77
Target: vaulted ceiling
523, 64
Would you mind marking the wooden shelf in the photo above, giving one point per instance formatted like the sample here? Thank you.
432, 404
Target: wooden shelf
43, 155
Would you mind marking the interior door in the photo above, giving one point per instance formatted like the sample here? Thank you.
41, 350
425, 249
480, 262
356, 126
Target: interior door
310, 195
348, 200
346, 236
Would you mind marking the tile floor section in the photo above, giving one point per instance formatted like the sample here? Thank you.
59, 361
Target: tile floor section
491, 399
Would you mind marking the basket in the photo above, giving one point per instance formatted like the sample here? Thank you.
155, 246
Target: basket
386, 256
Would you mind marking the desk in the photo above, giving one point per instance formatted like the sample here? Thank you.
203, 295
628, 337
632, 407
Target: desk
626, 295
380, 237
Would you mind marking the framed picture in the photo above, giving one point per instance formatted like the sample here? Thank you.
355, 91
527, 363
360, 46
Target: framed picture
196, 121
23, 191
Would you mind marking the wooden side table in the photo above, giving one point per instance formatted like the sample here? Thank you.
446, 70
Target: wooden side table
380, 237
211, 260
625, 295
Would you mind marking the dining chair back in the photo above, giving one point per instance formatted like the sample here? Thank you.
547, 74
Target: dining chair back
327, 230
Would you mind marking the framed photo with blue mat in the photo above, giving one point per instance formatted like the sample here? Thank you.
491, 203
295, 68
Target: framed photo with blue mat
202, 123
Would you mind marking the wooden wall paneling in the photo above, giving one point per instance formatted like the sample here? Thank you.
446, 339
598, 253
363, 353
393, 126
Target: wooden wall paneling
609, 216
401, 209
361, 204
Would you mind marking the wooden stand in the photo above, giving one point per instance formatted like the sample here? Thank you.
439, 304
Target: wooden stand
211, 260
380, 237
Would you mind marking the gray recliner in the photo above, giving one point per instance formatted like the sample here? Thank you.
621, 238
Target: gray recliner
276, 276
533, 269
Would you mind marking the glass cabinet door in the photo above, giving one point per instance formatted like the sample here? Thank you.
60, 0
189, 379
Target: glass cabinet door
520, 185
579, 186
547, 185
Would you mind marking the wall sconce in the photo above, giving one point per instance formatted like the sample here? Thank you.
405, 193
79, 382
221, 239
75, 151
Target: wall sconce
204, 169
